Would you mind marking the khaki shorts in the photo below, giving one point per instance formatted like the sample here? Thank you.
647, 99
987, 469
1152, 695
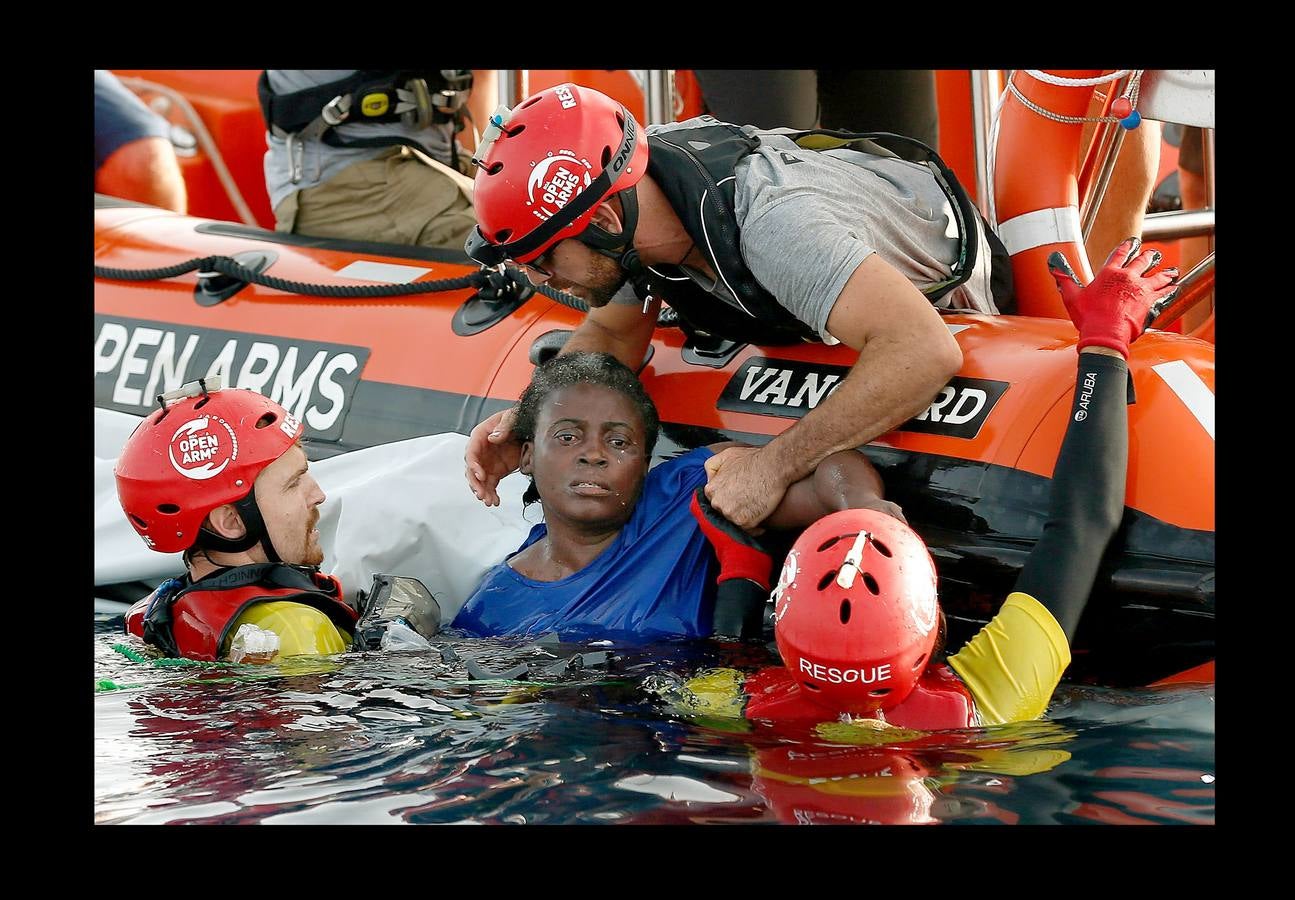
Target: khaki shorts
395, 198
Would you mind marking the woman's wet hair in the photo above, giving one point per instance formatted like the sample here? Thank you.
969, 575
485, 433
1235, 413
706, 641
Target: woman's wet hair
560, 372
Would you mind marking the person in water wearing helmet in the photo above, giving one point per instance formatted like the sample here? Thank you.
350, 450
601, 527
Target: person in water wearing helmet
856, 617
624, 552
221, 476
747, 235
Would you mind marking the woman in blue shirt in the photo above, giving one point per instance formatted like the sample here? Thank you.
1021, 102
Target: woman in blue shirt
623, 552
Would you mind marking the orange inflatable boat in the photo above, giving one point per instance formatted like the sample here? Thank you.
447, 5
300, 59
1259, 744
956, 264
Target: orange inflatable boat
971, 472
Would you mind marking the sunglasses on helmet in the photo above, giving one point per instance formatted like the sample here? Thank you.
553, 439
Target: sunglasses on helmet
490, 255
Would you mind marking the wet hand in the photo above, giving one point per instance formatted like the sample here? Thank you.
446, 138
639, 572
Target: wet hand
1114, 309
491, 455
742, 487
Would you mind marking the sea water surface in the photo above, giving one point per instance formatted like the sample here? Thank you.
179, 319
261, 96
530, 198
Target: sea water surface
410, 737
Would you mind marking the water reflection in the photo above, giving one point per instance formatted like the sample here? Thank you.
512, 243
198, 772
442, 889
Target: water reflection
409, 738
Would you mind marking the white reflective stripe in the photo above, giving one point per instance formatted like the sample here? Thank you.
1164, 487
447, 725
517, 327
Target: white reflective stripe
1043, 226
1194, 393
366, 270
701, 211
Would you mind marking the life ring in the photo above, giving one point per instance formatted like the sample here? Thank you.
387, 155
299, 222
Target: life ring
1036, 186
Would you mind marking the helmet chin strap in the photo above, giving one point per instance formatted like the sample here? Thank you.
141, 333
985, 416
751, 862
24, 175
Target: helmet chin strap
251, 514
256, 531
619, 247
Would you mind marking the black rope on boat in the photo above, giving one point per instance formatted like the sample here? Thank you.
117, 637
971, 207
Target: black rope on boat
227, 266
562, 297
151, 274
490, 283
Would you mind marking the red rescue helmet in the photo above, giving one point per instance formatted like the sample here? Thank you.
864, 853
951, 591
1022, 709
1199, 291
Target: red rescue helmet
855, 611
557, 156
194, 454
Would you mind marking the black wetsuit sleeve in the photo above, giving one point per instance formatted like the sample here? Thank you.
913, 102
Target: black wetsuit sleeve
1087, 501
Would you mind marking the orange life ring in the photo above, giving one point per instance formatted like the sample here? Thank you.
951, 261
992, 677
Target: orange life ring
1036, 186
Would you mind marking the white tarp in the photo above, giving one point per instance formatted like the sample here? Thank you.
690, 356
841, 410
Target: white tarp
398, 509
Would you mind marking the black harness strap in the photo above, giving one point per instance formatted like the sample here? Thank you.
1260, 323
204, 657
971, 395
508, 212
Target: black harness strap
366, 97
694, 167
963, 209
374, 98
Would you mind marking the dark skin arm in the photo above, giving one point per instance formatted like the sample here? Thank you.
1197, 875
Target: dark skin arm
844, 480
621, 329
906, 354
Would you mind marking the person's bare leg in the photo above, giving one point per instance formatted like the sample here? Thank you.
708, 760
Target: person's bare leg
147, 171
1125, 203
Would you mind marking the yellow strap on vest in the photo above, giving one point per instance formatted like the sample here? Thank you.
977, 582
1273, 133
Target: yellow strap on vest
821, 142
833, 143
302, 630
717, 692
1014, 663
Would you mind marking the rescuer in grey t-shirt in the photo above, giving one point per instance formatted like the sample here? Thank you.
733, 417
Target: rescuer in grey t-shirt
806, 226
813, 244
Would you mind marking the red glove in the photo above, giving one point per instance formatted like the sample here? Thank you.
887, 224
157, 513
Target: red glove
745, 568
740, 555
1115, 307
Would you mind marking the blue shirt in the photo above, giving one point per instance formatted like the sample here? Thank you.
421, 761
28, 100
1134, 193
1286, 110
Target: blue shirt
655, 580
120, 117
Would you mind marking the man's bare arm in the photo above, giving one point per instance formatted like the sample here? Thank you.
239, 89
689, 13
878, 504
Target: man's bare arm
906, 354
621, 329
845, 480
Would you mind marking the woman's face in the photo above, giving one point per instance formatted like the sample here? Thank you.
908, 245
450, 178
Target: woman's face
588, 458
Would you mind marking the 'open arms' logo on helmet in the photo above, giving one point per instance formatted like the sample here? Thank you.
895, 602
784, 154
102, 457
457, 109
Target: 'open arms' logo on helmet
200, 451
556, 179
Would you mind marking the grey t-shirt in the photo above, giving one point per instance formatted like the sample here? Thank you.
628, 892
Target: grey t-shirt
808, 219
320, 161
